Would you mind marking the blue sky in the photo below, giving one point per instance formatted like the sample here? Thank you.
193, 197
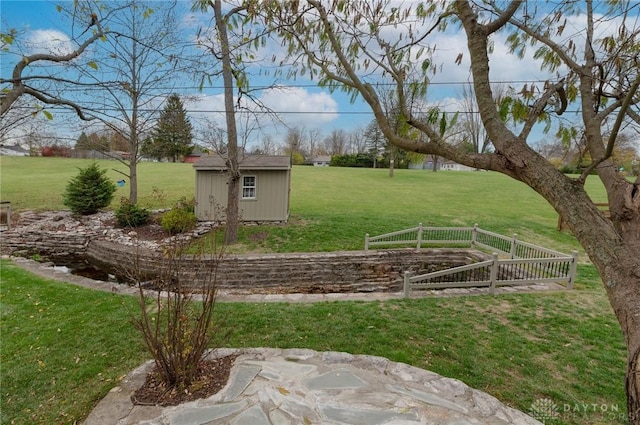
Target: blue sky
303, 104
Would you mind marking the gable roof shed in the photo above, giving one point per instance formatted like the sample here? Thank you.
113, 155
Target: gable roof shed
263, 192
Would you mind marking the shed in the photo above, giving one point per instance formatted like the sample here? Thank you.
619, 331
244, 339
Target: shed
264, 188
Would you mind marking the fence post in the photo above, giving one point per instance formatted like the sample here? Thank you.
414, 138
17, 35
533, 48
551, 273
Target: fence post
494, 274
573, 270
366, 242
514, 242
474, 235
419, 236
407, 284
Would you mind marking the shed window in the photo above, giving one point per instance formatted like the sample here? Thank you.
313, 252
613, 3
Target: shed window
248, 187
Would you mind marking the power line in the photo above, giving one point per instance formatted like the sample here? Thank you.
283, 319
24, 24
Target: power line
309, 85
241, 111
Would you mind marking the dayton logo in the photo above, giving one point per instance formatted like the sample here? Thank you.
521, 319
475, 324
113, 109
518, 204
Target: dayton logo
544, 410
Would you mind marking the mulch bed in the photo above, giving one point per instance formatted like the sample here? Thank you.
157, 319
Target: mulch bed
212, 377
151, 231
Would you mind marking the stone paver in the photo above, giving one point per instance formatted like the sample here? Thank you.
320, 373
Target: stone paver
300, 386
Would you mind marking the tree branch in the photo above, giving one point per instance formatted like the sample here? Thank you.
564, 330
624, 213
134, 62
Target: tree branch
626, 103
573, 65
504, 17
56, 101
18, 88
538, 108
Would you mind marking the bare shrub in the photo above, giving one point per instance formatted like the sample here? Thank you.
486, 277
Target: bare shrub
177, 315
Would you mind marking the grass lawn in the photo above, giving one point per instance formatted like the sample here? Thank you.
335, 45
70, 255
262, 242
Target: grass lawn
39, 183
331, 208
63, 347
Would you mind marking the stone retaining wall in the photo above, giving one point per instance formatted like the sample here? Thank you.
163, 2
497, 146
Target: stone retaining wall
346, 271
49, 244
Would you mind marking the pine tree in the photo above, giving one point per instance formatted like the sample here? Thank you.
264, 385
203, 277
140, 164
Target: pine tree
376, 142
89, 191
83, 143
172, 135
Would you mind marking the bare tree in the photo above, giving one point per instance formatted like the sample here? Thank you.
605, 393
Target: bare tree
356, 141
294, 143
473, 129
314, 136
214, 138
335, 142
357, 45
135, 70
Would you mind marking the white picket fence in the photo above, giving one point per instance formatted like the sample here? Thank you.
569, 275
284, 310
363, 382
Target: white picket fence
522, 263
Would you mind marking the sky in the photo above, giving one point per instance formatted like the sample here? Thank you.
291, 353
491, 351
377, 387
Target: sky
300, 103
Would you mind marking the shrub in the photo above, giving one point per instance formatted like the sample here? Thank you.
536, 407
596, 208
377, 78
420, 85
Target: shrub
129, 214
178, 328
178, 220
188, 205
89, 191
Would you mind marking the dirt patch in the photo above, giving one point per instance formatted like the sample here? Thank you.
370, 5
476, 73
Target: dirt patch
212, 377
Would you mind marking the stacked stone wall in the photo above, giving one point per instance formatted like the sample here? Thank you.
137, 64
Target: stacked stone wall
47, 244
345, 271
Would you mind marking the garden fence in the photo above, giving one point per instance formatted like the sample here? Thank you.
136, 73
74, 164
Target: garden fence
524, 264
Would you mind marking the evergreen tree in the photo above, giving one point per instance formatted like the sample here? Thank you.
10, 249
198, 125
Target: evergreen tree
150, 149
172, 135
376, 142
89, 191
83, 143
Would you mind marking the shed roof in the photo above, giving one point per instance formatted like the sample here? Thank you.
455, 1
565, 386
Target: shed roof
249, 162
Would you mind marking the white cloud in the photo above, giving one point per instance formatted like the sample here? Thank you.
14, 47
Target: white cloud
295, 106
300, 107
49, 41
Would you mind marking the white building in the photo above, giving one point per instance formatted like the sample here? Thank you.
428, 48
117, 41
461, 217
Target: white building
454, 166
14, 150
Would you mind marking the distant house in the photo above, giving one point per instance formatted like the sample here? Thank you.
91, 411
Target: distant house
14, 150
454, 166
321, 161
263, 192
195, 154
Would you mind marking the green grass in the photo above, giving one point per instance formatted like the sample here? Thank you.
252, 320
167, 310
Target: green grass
64, 347
331, 208
39, 183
